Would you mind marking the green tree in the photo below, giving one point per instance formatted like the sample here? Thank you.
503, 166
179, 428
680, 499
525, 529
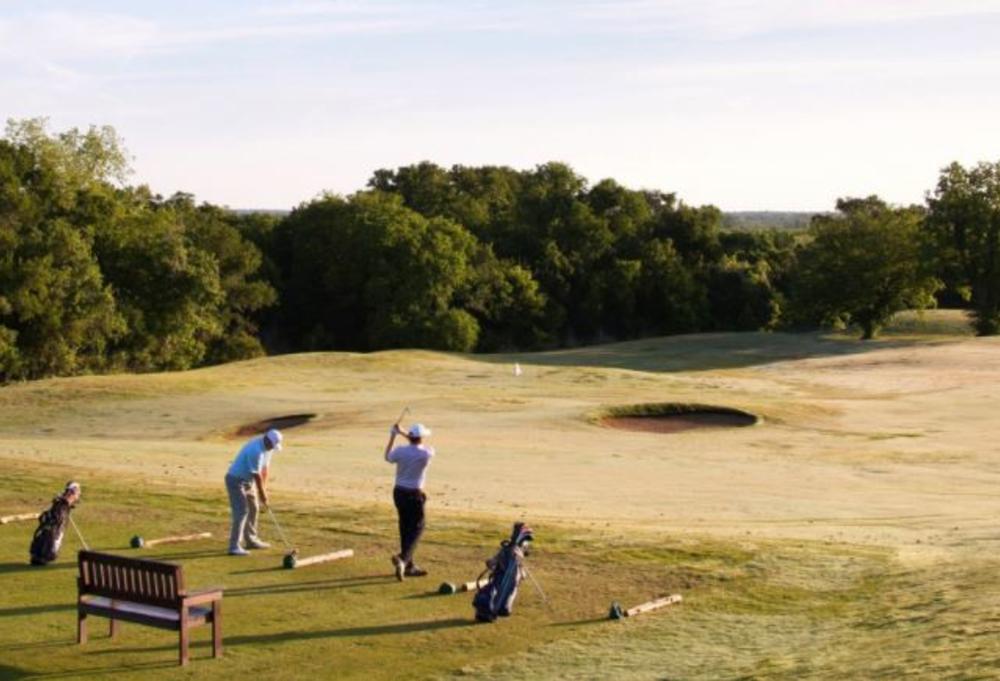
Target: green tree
78, 160
694, 231
670, 298
964, 222
168, 291
366, 273
214, 230
741, 296
57, 314
506, 302
609, 262
863, 265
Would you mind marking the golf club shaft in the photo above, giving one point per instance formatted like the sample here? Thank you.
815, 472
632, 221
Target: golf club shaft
278, 527
538, 588
78, 534
406, 410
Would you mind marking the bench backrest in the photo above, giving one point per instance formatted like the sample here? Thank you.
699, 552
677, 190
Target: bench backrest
130, 579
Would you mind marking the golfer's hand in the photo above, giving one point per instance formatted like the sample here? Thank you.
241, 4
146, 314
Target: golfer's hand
394, 430
266, 500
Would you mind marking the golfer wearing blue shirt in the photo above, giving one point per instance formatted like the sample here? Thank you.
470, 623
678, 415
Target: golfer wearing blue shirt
246, 480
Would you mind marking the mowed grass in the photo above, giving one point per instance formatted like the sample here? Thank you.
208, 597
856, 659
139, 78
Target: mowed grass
752, 609
848, 536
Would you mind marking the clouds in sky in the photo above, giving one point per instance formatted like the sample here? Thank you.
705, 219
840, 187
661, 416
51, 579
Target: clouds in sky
29, 28
745, 103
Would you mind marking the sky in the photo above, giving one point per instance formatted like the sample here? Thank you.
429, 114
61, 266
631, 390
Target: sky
747, 105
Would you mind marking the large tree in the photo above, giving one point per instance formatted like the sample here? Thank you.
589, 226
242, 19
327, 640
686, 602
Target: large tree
863, 265
57, 313
965, 223
97, 275
217, 232
366, 273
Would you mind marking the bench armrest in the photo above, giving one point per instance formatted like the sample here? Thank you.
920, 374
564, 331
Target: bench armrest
202, 596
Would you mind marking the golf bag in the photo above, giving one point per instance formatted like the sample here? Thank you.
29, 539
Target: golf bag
52, 524
505, 570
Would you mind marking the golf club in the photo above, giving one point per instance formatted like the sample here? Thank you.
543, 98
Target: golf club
281, 533
78, 534
406, 410
538, 588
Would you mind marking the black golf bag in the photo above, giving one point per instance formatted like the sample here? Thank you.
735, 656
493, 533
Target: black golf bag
505, 570
51, 529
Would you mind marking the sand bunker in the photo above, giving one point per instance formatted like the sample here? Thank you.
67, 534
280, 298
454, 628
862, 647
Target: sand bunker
279, 422
676, 418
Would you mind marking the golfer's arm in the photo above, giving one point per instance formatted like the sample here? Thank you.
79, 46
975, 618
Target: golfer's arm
259, 479
388, 447
263, 473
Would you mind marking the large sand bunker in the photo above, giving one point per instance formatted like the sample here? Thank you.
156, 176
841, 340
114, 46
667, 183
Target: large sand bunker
676, 418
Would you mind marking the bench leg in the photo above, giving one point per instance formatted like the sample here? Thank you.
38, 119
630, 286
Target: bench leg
81, 627
184, 635
217, 628
113, 629
183, 647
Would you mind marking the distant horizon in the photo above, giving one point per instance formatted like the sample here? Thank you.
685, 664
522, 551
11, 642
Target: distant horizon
252, 209
790, 103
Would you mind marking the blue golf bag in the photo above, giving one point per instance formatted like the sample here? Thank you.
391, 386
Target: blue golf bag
505, 570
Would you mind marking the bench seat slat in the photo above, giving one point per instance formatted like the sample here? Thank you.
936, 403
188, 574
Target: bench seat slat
124, 610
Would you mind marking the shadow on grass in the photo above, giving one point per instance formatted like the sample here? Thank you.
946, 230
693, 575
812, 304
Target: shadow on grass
177, 556
319, 585
36, 644
257, 571
292, 636
432, 594
36, 609
7, 672
9, 568
580, 623
702, 351
379, 630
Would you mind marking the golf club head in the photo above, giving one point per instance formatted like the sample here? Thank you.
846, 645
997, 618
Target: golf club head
616, 612
290, 560
447, 588
137, 542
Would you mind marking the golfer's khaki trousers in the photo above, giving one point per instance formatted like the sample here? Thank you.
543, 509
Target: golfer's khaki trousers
244, 508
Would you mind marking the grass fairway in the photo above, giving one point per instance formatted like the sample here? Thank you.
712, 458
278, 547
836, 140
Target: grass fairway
852, 534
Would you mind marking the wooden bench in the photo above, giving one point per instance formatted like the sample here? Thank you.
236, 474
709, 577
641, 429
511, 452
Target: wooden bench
145, 592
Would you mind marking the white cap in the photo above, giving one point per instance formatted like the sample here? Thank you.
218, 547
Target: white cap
419, 430
274, 437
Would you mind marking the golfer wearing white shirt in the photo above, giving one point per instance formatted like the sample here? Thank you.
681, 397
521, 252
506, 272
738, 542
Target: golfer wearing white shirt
411, 472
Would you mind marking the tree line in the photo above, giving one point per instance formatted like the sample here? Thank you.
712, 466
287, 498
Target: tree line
99, 275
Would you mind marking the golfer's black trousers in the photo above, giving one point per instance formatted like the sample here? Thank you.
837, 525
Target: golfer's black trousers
410, 506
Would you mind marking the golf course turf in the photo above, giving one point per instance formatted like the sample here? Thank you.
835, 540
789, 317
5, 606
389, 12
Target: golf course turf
851, 534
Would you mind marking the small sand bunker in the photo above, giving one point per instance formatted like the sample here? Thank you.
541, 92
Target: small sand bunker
676, 418
279, 422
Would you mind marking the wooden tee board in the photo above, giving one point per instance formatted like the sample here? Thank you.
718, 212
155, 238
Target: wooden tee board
178, 539
653, 605
18, 516
323, 558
